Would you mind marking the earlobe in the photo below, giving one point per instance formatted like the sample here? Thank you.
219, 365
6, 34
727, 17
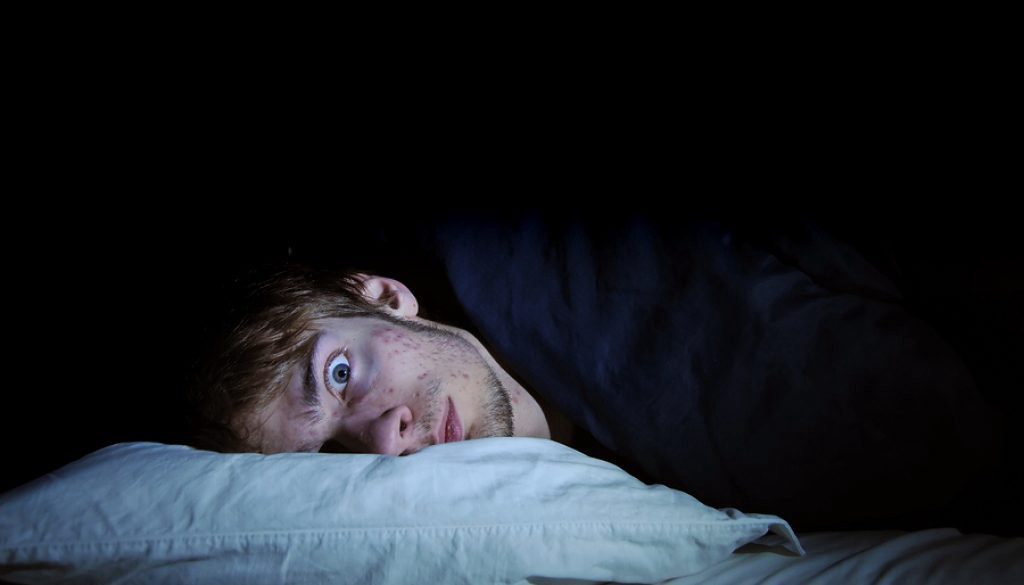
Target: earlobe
394, 295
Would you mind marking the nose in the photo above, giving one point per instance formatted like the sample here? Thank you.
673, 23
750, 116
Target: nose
392, 433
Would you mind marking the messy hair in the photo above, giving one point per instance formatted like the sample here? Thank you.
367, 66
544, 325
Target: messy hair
249, 366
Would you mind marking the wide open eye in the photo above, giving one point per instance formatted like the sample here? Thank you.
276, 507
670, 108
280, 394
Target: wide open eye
338, 372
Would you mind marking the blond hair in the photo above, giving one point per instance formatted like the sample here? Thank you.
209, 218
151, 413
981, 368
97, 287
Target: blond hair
249, 366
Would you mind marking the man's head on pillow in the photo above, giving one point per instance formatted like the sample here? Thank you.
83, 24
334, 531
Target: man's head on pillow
328, 362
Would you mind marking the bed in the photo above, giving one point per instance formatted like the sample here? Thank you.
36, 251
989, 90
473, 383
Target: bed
758, 406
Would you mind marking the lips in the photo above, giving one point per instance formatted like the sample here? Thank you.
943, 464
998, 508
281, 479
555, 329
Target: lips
451, 426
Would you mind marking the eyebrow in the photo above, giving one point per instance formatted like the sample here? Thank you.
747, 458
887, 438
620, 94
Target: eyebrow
310, 392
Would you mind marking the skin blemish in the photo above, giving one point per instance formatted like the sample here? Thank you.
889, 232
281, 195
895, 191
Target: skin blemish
421, 376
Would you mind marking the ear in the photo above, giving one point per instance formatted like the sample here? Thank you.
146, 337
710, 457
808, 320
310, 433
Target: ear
396, 296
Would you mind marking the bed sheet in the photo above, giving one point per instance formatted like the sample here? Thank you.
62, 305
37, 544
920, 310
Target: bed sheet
934, 556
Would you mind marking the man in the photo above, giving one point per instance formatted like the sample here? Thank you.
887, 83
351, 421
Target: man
345, 362
779, 371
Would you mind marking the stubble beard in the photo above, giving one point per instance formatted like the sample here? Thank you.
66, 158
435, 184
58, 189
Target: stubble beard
498, 419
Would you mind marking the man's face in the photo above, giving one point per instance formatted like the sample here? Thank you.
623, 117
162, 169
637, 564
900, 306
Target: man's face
373, 385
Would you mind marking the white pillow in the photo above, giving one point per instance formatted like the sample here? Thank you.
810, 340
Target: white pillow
483, 511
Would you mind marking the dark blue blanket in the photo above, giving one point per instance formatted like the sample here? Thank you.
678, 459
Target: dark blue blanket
776, 372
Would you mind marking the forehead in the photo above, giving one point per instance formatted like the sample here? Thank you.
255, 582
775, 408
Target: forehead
353, 331
357, 323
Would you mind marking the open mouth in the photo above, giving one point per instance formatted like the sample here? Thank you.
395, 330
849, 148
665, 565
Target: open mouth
451, 431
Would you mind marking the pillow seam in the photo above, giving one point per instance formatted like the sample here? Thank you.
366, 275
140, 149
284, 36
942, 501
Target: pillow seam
730, 526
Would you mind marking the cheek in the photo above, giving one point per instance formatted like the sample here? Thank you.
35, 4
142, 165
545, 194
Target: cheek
396, 342
401, 356
403, 368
